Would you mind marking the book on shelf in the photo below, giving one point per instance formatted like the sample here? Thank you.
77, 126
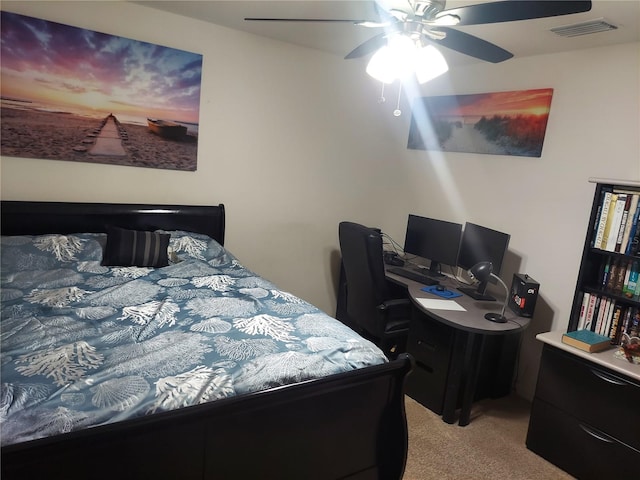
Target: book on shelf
621, 272
627, 275
623, 223
630, 214
635, 245
635, 230
596, 313
612, 274
586, 340
616, 324
626, 320
589, 316
601, 217
614, 333
608, 319
618, 211
631, 279
605, 268
583, 310
634, 242
601, 312
633, 330
613, 200
605, 326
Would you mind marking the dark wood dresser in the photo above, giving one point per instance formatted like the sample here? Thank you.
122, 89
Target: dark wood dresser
585, 416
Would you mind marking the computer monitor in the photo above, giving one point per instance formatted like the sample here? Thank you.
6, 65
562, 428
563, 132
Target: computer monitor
481, 244
435, 240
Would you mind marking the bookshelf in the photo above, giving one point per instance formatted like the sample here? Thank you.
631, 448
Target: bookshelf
607, 294
585, 414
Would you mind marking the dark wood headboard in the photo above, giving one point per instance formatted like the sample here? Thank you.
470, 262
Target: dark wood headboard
37, 218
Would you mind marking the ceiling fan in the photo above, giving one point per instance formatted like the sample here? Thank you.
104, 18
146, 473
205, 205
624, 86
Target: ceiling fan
428, 21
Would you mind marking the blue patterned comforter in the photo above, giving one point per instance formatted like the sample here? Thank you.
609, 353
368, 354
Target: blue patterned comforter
85, 345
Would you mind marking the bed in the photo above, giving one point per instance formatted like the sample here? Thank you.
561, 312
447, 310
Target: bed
122, 362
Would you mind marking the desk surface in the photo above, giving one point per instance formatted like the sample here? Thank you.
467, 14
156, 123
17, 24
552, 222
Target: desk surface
472, 318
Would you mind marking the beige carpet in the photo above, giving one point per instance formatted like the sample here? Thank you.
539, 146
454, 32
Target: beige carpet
492, 446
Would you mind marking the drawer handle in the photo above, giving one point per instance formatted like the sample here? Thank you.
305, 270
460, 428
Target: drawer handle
598, 435
607, 378
424, 366
426, 345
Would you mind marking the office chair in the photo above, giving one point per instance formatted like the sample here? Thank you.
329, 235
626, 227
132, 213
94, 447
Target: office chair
370, 305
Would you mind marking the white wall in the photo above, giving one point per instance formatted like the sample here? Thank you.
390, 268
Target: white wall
293, 141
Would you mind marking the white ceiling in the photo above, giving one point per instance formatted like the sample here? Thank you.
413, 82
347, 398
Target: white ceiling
522, 38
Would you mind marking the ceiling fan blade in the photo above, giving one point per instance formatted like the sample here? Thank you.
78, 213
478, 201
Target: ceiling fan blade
512, 10
370, 46
384, 19
327, 20
472, 46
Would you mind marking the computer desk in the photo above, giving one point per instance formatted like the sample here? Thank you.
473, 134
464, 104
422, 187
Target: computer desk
470, 332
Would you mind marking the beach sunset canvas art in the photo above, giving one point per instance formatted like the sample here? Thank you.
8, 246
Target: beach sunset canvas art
499, 123
78, 95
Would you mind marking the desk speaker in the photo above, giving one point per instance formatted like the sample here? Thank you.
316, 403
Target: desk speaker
524, 293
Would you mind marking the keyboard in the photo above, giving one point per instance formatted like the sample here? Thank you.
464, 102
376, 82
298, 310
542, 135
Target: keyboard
413, 275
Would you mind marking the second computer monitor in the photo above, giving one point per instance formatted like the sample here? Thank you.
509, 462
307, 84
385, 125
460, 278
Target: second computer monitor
435, 240
481, 244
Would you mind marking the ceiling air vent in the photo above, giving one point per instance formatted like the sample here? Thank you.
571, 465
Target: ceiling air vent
584, 28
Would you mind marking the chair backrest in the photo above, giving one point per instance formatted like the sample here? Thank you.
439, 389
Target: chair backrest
361, 249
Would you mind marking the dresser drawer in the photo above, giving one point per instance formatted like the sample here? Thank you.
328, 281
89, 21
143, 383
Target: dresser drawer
595, 395
427, 388
579, 448
430, 344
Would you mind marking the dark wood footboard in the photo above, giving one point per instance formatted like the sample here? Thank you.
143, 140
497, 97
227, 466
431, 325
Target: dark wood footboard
351, 425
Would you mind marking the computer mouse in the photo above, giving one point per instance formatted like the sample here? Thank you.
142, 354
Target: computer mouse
440, 288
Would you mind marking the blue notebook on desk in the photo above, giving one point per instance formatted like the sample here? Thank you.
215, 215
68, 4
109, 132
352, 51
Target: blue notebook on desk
443, 293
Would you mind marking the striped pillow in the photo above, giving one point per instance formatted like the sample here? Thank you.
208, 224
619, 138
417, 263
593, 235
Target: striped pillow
128, 248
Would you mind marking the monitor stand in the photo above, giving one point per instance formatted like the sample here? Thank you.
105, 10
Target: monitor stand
477, 293
433, 271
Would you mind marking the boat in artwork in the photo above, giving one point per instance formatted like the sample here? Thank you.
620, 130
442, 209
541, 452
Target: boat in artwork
167, 129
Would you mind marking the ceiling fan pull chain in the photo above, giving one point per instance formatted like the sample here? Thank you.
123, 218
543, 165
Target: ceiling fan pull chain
382, 99
397, 112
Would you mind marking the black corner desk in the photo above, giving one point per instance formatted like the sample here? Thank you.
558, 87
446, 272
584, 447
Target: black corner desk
460, 356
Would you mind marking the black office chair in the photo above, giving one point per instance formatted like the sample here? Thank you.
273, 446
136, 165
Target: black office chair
370, 305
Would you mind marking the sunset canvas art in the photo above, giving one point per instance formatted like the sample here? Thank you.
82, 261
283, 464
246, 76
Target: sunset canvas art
499, 123
78, 95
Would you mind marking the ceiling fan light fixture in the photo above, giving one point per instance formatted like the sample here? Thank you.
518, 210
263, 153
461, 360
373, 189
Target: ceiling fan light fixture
403, 57
430, 63
404, 50
380, 66
393, 61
